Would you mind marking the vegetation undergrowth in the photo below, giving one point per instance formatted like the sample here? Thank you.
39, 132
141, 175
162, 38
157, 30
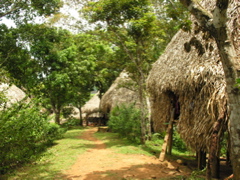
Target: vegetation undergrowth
124, 120
56, 159
25, 133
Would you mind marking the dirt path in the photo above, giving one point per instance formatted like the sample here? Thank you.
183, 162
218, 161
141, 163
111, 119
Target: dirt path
100, 162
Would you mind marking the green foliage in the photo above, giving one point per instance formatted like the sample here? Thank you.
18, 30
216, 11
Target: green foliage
72, 122
67, 111
54, 160
24, 10
178, 143
25, 132
125, 120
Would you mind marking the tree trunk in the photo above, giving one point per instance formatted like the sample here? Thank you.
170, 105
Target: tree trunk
166, 138
143, 118
145, 130
80, 116
201, 159
170, 143
213, 167
149, 121
57, 116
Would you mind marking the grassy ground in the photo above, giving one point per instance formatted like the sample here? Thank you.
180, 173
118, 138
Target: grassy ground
57, 158
64, 153
122, 145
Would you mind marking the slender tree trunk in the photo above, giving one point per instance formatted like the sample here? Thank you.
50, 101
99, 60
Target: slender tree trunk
143, 117
166, 138
57, 116
149, 121
80, 116
170, 143
213, 166
201, 159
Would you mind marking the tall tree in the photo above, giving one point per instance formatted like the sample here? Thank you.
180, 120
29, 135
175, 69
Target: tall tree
133, 26
215, 22
53, 51
13, 50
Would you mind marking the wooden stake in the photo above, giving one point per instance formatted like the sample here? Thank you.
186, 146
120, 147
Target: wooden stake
166, 138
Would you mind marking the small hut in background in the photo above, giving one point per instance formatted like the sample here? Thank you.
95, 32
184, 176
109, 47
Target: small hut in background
91, 112
120, 92
12, 93
188, 80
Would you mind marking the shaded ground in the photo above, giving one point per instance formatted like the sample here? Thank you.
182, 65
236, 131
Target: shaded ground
100, 162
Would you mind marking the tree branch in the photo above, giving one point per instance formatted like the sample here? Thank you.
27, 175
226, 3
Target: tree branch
202, 15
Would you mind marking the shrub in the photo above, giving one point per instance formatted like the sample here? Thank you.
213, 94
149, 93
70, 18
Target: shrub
67, 111
125, 120
71, 123
25, 132
178, 143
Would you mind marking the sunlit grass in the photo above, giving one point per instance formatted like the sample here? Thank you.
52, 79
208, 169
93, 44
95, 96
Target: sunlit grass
124, 146
56, 159
121, 145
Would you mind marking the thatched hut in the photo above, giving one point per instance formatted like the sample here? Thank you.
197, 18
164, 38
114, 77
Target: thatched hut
120, 92
189, 77
12, 93
91, 106
91, 112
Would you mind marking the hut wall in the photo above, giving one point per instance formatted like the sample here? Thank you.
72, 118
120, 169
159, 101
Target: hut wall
160, 108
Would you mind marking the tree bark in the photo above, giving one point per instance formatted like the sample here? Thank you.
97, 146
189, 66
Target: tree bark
201, 159
170, 140
216, 24
213, 167
80, 116
166, 138
57, 116
143, 117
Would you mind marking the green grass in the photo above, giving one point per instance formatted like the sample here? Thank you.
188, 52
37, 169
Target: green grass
56, 159
64, 154
122, 145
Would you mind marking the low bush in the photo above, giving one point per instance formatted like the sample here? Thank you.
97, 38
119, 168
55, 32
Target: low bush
71, 122
178, 143
125, 120
25, 132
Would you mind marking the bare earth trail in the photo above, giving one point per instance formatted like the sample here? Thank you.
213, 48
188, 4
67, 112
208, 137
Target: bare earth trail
99, 162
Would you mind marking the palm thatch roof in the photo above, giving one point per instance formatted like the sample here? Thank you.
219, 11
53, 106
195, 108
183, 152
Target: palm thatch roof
120, 92
12, 93
92, 107
189, 70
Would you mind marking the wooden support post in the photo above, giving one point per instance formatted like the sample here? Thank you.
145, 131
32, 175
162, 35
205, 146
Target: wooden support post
170, 140
201, 159
166, 138
213, 159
